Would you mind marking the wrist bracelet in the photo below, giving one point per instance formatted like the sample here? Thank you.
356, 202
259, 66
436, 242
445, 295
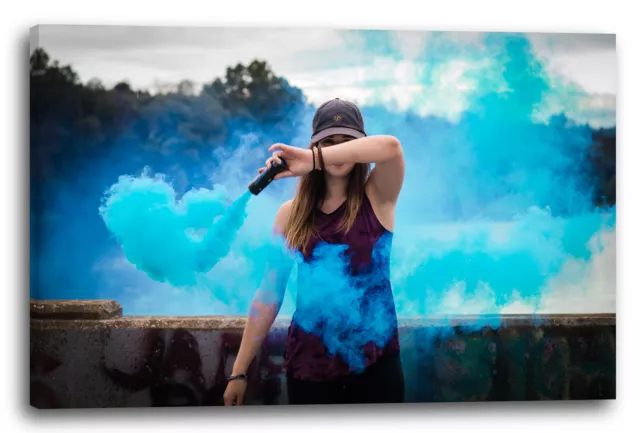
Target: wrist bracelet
239, 376
320, 160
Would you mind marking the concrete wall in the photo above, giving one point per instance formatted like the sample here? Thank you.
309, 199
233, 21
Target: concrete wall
85, 354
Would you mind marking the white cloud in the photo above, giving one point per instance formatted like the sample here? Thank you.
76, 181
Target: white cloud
582, 286
142, 55
588, 60
411, 43
357, 95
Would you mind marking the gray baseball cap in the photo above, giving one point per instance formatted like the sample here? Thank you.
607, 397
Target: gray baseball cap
337, 117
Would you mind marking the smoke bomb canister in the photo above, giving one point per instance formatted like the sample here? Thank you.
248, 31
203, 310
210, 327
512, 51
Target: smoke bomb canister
266, 177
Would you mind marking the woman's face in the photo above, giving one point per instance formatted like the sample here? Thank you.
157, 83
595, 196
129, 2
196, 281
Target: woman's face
339, 170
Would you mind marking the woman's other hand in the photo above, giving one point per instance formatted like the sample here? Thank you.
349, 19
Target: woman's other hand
234, 394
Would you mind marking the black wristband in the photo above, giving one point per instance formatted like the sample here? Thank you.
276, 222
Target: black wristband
320, 160
239, 376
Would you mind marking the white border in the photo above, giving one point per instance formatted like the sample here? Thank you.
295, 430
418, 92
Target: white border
472, 15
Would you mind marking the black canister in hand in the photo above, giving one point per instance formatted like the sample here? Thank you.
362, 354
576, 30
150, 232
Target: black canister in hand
267, 176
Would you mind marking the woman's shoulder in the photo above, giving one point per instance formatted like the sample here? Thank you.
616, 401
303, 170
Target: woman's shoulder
282, 216
285, 208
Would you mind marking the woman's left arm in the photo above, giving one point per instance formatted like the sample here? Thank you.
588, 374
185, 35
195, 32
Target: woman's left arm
385, 151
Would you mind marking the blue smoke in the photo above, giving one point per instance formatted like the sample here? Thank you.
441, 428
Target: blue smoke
160, 236
347, 311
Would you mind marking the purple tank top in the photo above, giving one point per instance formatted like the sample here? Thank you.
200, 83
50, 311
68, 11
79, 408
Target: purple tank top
368, 247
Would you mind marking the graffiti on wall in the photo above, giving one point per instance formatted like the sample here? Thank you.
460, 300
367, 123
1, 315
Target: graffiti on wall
182, 367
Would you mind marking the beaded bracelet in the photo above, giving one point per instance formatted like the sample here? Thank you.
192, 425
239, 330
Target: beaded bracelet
239, 376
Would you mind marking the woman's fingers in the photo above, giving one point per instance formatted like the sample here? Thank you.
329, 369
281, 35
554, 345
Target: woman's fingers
286, 173
277, 146
273, 158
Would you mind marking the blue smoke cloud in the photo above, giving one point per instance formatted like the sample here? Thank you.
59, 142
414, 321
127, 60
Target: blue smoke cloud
496, 205
160, 235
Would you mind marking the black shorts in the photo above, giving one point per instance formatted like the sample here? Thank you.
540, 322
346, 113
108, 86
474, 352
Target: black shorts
381, 382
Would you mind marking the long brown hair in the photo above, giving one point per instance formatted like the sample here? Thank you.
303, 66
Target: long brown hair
311, 193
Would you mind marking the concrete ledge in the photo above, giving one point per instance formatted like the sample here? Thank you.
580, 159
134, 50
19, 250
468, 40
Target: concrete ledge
52, 315
86, 354
237, 323
75, 310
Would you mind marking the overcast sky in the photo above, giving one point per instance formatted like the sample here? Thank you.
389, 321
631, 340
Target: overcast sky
325, 63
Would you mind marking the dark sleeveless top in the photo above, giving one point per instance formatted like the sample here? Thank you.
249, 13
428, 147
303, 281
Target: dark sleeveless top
368, 248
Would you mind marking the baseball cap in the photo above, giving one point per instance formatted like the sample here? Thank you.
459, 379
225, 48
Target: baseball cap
337, 117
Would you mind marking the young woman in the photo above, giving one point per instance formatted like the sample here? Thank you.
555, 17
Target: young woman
339, 201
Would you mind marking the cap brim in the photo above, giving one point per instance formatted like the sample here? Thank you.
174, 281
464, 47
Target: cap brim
337, 131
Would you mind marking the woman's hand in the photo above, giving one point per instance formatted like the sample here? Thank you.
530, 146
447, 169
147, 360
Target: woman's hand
234, 394
299, 161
